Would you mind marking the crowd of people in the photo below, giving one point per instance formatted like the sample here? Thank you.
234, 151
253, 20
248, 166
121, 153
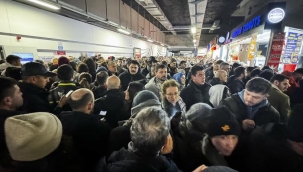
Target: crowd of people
151, 114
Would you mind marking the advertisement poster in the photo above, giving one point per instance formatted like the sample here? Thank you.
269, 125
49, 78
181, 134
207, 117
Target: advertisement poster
292, 48
276, 48
252, 47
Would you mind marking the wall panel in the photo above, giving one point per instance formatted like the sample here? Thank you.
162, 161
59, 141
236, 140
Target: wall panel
125, 15
97, 7
113, 10
77, 3
134, 22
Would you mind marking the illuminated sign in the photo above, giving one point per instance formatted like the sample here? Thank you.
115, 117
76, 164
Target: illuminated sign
276, 15
248, 26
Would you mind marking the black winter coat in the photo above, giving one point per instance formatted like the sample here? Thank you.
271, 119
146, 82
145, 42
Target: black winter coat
270, 151
4, 154
35, 99
264, 115
112, 102
193, 94
89, 136
236, 86
126, 78
215, 81
127, 161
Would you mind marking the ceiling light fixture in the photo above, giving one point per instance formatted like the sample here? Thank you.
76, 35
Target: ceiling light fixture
123, 31
193, 30
150, 40
46, 4
194, 41
162, 44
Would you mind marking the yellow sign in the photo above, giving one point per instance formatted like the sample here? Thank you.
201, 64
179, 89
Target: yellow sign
225, 128
252, 47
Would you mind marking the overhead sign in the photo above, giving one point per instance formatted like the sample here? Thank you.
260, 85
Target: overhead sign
248, 26
276, 15
276, 48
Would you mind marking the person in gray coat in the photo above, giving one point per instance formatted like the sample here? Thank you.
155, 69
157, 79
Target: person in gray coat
154, 84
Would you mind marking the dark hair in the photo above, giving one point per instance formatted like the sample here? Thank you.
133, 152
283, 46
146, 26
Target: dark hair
65, 72
164, 63
133, 89
219, 62
6, 87
279, 78
299, 70
195, 69
250, 68
82, 67
235, 65
161, 66
266, 67
258, 85
134, 62
13, 72
102, 77
239, 70
91, 66
223, 64
39, 61
182, 62
12, 58
73, 65
267, 74
2, 61
84, 100
255, 72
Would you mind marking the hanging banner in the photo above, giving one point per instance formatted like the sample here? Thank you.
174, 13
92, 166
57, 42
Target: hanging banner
276, 48
252, 47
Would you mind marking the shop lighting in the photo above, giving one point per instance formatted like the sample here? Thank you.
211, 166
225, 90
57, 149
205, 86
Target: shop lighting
123, 31
193, 30
46, 4
150, 40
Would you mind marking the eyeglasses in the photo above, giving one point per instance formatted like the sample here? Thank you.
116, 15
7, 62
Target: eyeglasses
173, 95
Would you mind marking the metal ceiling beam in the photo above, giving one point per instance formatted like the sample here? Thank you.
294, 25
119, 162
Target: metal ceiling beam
196, 2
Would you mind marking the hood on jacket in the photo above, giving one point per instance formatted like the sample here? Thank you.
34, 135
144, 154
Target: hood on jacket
216, 94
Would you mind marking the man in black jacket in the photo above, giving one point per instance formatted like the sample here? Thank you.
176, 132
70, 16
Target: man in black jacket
236, 84
65, 75
133, 73
251, 106
34, 79
89, 135
197, 90
276, 147
10, 100
112, 102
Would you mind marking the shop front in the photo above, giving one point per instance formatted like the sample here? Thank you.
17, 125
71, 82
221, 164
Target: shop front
252, 40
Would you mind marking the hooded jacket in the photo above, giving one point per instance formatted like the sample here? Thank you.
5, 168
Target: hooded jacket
261, 114
126, 78
154, 87
217, 93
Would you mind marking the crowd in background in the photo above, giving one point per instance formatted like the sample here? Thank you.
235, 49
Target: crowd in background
149, 114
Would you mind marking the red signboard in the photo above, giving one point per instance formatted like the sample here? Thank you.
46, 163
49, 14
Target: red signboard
275, 51
60, 53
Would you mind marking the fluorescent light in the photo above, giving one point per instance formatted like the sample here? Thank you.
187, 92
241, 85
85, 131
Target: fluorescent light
150, 40
194, 41
162, 44
124, 31
45, 4
193, 30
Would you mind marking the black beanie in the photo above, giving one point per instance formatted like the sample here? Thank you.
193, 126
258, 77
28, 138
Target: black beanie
143, 96
295, 124
222, 122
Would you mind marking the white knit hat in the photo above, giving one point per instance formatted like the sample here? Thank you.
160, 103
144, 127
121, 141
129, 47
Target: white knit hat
33, 136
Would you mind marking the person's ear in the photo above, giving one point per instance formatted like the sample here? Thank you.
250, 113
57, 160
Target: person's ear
168, 145
276, 82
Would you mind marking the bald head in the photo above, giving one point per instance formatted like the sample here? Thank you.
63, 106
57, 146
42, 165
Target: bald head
222, 75
113, 82
80, 99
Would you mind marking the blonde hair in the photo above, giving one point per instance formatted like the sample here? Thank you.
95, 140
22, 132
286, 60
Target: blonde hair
167, 84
